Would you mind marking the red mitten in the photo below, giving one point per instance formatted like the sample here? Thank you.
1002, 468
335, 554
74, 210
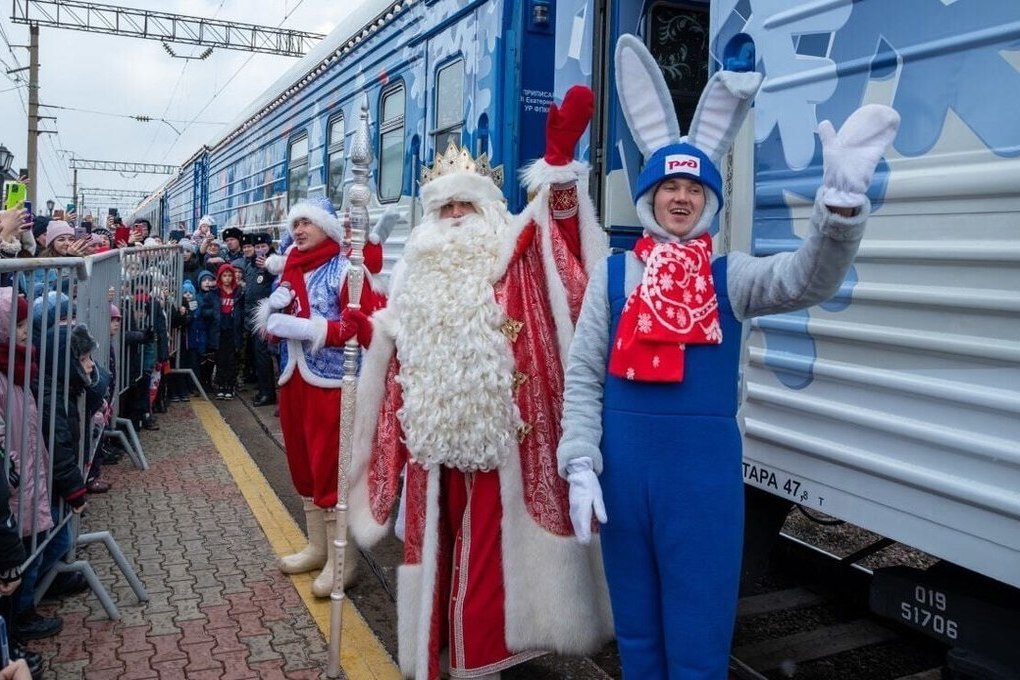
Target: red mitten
357, 318
566, 123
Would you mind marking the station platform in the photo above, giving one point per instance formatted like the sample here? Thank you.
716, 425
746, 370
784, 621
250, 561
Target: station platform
202, 528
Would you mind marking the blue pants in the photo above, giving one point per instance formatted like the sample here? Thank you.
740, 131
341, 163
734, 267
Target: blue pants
672, 546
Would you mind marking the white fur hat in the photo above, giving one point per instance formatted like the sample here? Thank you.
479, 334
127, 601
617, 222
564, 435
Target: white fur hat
462, 185
321, 212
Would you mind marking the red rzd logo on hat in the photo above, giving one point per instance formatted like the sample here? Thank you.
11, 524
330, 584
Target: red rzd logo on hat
682, 163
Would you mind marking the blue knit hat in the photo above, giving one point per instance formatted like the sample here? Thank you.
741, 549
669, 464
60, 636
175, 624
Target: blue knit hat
680, 160
188, 287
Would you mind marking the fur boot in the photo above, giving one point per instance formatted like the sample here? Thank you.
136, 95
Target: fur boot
314, 555
323, 584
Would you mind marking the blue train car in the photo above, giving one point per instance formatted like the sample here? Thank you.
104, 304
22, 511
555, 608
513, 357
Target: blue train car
894, 406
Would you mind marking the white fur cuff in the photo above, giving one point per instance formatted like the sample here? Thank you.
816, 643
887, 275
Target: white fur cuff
319, 329
275, 263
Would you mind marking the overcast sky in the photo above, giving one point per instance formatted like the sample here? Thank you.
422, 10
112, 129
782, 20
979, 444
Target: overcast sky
99, 75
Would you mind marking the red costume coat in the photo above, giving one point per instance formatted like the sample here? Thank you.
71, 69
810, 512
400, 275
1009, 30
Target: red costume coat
513, 566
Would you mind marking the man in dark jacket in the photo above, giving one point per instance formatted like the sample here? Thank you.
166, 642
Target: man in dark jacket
259, 284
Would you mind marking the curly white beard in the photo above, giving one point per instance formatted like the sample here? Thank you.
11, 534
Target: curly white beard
456, 368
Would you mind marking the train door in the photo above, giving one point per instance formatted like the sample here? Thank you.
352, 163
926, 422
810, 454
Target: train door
677, 34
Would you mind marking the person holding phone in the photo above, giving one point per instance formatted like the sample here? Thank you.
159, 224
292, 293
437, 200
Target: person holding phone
13, 223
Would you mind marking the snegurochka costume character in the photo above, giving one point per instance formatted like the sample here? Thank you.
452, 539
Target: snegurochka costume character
651, 440
463, 387
308, 313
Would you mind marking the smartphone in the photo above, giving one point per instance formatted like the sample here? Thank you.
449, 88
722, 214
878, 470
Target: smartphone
29, 217
112, 212
70, 207
79, 232
14, 193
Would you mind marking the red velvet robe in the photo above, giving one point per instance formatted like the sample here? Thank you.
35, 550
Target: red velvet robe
480, 542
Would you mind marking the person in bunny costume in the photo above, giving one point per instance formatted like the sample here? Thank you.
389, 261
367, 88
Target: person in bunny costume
462, 389
308, 313
651, 445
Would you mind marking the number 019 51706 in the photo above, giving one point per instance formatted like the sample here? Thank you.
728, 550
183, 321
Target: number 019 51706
929, 610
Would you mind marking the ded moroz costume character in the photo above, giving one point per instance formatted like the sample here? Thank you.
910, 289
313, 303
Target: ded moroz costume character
463, 385
307, 313
651, 385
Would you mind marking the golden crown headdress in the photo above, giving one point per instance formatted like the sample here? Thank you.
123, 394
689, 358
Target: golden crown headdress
456, 159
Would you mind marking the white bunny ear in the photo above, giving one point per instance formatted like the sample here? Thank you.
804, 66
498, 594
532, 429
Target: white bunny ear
721, 111
644, 97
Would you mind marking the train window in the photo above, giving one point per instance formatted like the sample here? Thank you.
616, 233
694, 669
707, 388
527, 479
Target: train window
449, 105
297, 170
335, 161
678, 39
391, 144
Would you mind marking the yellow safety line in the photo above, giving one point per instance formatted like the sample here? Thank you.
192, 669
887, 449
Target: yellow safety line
362, 655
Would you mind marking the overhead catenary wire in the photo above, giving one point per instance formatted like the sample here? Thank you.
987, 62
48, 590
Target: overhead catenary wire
223, 87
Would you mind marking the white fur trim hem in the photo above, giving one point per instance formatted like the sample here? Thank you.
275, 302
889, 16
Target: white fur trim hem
408, 602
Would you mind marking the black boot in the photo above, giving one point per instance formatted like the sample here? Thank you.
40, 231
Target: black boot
31, 625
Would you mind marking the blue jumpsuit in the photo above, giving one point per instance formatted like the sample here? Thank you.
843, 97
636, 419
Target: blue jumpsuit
673, 492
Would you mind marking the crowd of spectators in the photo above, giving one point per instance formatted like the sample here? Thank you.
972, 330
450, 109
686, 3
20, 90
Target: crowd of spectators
191, 314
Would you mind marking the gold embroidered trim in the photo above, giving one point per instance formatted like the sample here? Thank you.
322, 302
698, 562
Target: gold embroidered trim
511, 328
519, 379
523, 431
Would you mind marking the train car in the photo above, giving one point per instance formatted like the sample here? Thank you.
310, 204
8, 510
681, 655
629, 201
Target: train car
894, 405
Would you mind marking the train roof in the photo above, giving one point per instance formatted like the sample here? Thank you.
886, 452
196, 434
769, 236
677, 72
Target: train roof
371, 15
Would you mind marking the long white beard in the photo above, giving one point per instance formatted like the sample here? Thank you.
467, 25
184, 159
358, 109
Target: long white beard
456, 368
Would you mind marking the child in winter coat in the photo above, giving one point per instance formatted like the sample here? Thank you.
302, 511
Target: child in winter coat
231, 329
180, 319
651, 444
204, 331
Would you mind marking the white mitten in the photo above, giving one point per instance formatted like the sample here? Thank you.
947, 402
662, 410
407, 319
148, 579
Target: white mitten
294, 328
849, 156
192, 305
281, 297
384, 226
585, 497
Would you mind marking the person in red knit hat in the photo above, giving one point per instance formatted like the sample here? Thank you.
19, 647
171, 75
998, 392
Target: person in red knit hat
462, 389
307, 313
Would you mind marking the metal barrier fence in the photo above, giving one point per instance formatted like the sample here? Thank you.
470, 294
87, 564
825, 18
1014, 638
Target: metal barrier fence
56, 409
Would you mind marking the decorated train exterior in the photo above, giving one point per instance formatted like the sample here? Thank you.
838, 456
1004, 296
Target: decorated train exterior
895, 405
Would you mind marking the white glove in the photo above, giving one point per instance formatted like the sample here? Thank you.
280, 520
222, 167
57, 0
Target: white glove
292, 327
585, 497
384, 226
849, 156
281, 297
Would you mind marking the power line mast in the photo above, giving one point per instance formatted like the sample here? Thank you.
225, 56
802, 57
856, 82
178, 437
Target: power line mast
139, 23
163, 26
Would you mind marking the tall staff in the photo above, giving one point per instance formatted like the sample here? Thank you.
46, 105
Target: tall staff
358, 197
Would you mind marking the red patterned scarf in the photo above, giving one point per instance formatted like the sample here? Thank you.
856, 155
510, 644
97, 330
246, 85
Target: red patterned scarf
675, 305
298, 264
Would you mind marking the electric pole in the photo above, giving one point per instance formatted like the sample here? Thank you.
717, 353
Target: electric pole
33, 110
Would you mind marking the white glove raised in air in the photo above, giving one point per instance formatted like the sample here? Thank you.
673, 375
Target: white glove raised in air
293, 327
281, 297
585, 497
849, 157
384, 226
